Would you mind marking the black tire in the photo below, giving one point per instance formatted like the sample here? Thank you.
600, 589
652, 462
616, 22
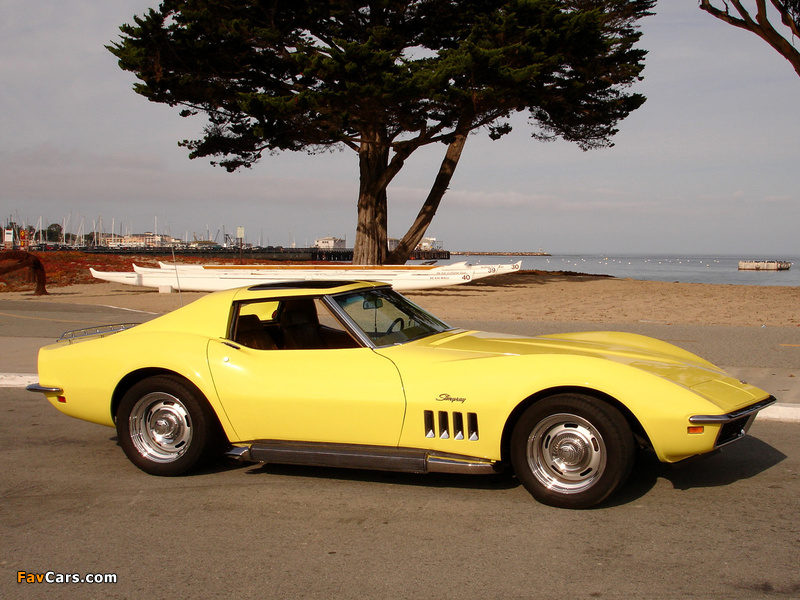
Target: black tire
166, 427
572, 451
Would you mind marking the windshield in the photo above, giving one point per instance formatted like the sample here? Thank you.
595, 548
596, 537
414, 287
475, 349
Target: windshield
387, 318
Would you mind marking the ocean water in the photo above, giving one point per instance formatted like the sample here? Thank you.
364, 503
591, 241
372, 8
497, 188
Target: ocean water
686, 269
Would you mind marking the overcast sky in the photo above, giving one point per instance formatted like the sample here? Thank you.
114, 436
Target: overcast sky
709, 165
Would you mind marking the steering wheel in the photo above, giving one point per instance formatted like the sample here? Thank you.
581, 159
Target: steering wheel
397, 321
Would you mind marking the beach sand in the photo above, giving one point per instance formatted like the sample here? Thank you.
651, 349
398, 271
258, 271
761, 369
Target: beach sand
528, 296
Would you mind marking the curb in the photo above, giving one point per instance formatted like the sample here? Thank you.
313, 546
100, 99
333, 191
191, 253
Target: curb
13, 380
789, 413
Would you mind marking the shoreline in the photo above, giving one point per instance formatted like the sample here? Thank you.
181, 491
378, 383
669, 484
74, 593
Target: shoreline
468, 253
525, 296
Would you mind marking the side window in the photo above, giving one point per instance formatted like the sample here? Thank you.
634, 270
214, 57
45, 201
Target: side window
307, 324
291, 324
326, 318
256, 325
265, 311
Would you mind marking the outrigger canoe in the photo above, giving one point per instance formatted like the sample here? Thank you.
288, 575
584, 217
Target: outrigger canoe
210, 278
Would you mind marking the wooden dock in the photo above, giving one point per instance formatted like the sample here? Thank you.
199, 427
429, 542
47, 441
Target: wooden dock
764, 265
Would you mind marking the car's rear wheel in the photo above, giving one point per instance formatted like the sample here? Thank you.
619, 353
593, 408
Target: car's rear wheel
165, 426
572, 450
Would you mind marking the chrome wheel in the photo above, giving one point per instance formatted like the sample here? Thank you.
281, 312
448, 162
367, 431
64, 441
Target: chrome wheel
566, 453
572, 450
160, 427
166, 427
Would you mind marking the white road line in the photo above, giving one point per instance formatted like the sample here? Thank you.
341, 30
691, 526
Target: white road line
17, 379
145, 312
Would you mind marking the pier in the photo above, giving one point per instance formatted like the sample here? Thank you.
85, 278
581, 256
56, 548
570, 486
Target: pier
764, 265
276, 253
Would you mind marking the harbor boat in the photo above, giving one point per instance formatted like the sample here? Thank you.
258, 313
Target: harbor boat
764, 265
168, 278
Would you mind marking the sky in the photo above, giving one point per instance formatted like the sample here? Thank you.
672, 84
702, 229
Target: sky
709, 165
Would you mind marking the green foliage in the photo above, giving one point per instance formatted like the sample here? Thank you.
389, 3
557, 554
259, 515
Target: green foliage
276, 75
792, 8
54, 232
385, 77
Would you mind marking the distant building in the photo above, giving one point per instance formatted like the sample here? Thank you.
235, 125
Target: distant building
8, 239
112, 240
424, 245
330, 243
429, 244
204, 244
140, 240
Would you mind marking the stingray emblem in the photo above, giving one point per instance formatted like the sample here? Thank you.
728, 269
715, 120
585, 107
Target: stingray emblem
449, 398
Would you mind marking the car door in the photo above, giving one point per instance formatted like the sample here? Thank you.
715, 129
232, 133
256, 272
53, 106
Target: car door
341, 395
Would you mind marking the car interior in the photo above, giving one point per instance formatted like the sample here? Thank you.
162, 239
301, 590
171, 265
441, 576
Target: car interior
293, 325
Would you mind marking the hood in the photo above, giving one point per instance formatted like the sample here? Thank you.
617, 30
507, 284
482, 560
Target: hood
647, 354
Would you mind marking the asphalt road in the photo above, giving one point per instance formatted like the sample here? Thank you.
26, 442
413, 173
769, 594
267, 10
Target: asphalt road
722, 527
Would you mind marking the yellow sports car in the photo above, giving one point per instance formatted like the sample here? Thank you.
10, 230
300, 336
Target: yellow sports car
352, 374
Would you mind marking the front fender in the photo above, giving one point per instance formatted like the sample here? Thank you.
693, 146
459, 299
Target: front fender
495, 387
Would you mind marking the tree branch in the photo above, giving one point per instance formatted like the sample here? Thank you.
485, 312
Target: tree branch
417, 230
761, 25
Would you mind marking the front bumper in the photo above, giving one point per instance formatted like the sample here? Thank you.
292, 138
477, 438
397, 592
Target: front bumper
734, 425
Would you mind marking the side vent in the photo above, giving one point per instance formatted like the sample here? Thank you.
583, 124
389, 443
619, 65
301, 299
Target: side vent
458, 432
458, 426
430, 431
472, 426
444, 425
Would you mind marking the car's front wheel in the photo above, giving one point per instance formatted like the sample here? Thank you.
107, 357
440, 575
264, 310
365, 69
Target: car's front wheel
572, 450
165, 427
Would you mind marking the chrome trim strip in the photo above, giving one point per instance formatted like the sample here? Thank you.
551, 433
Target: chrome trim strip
239, 453
443, 464
99, 330
43, 389
738, 414
355, 456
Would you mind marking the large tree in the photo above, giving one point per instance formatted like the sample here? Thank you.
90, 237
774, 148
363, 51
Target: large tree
384, 78
757, 20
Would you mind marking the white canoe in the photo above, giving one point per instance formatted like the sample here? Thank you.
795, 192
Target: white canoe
202, 280
314, 267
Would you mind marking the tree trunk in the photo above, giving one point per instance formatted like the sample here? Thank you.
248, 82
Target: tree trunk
417, 231
370, 247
